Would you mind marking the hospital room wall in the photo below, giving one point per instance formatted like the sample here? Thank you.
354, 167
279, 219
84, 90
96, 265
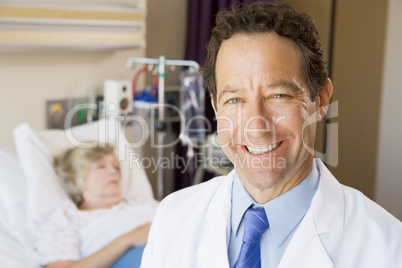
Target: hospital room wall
389, 156
27, 79
367, 85
358, 47
357, 65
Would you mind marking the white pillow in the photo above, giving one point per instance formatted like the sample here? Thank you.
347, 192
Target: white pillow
13, 201
36, 152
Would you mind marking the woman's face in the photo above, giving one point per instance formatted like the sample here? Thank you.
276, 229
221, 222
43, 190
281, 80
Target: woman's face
102, 181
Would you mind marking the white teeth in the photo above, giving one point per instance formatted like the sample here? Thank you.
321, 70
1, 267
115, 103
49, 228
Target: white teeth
264, 149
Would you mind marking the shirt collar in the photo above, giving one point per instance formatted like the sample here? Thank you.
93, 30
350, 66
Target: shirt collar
284, 212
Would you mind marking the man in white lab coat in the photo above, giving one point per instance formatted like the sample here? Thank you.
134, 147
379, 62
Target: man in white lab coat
269, 84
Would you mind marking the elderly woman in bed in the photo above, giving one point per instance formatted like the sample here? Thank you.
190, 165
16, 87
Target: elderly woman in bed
95, 227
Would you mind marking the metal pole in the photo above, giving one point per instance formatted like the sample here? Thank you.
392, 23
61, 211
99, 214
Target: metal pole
161, 124
161, 120
131, 62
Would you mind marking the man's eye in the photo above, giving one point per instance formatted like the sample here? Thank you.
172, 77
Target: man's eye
234, 100
279, 96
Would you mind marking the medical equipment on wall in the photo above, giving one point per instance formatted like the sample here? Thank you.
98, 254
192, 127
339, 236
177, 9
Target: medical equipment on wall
115, 98
118, 97
57, 111
161, 125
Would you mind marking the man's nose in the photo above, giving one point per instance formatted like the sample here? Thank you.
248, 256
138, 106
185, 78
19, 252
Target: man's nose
257, 120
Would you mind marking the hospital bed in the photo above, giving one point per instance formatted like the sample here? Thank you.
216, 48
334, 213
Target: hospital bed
29, 189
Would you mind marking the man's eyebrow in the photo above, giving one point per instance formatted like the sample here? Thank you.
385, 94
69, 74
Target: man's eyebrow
292, 86
227, 90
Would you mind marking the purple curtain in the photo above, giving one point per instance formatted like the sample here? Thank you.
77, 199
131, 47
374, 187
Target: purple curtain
200, 20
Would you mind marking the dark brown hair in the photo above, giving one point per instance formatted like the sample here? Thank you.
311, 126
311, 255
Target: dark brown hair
263, 17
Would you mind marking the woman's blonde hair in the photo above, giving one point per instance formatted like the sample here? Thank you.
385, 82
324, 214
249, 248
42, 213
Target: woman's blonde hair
72, 165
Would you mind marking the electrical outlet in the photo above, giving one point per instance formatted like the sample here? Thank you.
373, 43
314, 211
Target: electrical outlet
57, 110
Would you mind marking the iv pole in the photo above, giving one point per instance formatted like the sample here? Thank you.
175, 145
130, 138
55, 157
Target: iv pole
160, 125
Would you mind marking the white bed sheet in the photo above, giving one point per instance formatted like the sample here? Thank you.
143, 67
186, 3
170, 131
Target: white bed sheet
14, 255
16, 237
15, 240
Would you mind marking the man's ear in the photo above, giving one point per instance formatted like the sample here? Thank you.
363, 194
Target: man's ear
324, 97
213, 104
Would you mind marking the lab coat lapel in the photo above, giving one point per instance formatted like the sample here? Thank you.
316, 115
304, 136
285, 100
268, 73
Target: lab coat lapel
306, 250
215, 232
325, 215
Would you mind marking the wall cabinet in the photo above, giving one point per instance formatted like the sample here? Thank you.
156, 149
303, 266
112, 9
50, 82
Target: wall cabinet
59, 25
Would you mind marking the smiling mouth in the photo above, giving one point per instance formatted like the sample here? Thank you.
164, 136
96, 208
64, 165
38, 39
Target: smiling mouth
263, 149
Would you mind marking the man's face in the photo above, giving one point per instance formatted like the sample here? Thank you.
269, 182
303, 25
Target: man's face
262, 103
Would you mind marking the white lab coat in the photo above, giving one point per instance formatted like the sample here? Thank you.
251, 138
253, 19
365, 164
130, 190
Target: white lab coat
342, 228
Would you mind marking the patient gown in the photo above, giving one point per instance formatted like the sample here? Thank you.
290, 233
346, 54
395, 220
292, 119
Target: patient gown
71, 234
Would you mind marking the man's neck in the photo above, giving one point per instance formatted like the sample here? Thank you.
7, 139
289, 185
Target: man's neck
262, 196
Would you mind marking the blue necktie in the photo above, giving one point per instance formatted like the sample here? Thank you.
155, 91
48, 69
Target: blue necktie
256, 223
